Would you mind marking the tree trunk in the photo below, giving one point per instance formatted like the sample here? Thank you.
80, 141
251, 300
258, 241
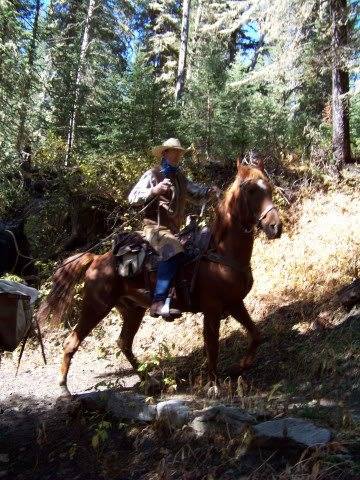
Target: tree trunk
232, 46
340, 85
78, 81
259, 46
195, 38
180, 83
27, 84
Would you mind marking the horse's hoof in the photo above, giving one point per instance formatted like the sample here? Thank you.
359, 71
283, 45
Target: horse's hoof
65, 392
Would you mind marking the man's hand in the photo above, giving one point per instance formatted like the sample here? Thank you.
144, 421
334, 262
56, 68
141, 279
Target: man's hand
161, 187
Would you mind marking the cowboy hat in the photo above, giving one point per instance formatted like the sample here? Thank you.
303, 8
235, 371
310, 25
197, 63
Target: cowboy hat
171, 143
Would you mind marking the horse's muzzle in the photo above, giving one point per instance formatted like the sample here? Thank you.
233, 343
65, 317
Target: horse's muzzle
273, 230
272, 225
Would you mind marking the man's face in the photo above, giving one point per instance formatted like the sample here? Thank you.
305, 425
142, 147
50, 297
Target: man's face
173, 156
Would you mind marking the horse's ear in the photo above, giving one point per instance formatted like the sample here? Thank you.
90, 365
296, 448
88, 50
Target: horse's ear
240, 165
259, 163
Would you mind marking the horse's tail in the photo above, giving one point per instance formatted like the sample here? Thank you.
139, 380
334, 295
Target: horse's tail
65, 279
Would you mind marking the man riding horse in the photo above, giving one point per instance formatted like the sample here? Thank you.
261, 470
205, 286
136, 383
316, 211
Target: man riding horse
166, 190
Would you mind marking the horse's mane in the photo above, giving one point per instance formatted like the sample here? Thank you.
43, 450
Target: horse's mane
234, 206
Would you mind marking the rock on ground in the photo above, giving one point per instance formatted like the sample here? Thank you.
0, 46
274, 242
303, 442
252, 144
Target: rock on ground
123, 405
221, 419
298, 430
350, 295
174, 412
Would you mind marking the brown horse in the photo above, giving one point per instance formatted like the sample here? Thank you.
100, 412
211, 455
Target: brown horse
222, 282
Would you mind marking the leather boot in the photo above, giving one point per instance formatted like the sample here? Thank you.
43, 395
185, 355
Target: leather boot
162, 309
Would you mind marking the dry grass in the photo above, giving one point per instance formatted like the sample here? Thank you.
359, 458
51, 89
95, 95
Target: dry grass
318, 255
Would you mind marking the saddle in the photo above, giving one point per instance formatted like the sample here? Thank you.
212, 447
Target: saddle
134, 254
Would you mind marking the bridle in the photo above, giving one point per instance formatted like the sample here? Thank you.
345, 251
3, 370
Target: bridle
262, 215
265, 212
18, 254
213, 256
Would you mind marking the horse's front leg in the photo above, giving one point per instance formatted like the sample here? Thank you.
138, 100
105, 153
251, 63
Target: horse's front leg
241, 314
211, 342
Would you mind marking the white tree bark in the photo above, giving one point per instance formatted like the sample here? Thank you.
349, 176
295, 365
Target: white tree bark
79, 78
194, 37
180, 82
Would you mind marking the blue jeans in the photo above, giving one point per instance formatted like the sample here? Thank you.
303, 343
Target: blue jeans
166, 274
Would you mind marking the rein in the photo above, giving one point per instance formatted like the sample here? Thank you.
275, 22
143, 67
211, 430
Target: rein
215, 257
265, 212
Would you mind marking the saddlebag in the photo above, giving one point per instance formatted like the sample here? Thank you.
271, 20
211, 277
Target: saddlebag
130, 261
129, 250
15, 319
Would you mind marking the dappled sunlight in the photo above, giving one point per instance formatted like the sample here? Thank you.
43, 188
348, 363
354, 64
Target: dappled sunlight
307, 264
316, 258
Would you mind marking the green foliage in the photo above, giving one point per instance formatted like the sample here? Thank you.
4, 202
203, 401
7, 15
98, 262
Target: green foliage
133, 112
108, 175
101, 428
92, 178
239, 94
12, 196
156, 363
355, 124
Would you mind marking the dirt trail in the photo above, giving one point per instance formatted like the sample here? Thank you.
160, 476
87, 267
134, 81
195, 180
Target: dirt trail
37, 432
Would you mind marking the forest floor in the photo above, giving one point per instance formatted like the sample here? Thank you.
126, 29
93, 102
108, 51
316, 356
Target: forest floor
309, 366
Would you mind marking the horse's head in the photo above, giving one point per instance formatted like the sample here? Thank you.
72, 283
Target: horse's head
255, 198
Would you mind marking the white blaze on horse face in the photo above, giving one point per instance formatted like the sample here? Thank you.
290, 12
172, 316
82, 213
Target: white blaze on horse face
262, 184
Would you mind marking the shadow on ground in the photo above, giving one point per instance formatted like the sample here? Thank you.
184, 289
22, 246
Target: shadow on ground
56, 442
49, 441
321, 361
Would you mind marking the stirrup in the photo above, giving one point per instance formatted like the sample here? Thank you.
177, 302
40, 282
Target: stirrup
167, 313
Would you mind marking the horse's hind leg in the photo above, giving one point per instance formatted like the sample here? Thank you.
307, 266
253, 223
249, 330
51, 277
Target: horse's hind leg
242, 316
211, 341
92, 312
132, 318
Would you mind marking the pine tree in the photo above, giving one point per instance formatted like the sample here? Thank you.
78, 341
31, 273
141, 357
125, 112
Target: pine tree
180, 82
28, 79
80, 73
13, 43
162, 45
340, 83
93, 38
